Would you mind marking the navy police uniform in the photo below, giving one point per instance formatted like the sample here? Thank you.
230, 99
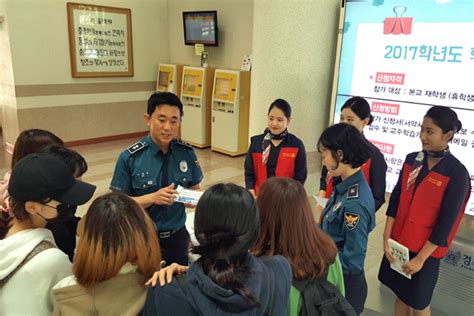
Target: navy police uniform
142, 169
348, 218
374, 169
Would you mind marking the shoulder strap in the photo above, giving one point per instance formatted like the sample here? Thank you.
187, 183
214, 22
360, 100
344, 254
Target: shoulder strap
42, 246
310, 296
300, 285
269, 310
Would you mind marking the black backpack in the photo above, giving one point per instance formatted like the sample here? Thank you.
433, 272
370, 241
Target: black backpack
320, 297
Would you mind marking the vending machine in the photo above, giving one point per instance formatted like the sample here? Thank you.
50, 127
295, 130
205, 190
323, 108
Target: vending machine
169, 78
230, 112
196, 88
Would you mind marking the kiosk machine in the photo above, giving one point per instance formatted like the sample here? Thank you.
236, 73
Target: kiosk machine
169, 78
230, 112
196, 90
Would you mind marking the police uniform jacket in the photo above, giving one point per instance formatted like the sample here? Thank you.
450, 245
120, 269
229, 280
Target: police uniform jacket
432, 207
348, 218
285, 160
374, 171
143, 168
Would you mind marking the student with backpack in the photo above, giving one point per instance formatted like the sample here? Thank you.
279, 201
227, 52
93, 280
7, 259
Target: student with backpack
288, 228
226, 279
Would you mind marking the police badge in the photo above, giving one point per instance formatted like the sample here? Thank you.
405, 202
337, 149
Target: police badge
183, 166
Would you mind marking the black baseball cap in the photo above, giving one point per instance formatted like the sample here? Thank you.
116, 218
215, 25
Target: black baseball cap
37, 177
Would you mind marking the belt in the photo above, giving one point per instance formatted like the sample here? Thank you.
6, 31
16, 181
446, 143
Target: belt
167, 234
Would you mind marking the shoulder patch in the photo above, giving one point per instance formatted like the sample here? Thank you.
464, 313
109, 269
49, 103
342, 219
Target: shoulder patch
183, 143
353, 191
136, 147
351, 220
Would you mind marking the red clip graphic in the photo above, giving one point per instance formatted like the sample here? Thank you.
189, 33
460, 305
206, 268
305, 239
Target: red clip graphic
398, 25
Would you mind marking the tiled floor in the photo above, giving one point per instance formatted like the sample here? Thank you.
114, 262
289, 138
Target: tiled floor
220, 168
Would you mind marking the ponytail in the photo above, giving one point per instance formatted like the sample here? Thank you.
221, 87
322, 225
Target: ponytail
228, 273
226, 227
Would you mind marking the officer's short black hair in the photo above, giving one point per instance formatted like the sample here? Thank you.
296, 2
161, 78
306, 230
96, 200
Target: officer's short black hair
159, 98
349, 140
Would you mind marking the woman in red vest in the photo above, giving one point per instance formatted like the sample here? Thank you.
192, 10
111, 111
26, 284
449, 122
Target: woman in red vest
425, 209
275, 152
356, 112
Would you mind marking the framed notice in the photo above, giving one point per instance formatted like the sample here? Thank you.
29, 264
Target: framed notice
100, 41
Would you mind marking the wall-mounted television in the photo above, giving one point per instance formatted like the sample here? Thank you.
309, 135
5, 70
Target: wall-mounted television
200, 27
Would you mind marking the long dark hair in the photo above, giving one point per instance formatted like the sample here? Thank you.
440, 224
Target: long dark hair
32, 141
226, 225
288, 228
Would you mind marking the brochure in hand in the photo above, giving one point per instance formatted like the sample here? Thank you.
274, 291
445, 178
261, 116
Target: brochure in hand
402, 256
188, 196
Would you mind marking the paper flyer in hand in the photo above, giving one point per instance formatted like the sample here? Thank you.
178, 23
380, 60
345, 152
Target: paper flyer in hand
188, 196
320, 200
402, 256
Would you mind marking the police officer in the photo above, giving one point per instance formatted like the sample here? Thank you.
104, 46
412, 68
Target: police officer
356, 112
150, 170
349, 215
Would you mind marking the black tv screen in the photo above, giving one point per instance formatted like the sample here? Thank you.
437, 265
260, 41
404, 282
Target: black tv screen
200, 27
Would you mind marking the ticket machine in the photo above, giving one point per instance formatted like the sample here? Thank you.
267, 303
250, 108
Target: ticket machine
230, 112
169, 78
196, 88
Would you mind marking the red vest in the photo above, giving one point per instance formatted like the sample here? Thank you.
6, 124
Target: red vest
329, 180
417, 213
285, 166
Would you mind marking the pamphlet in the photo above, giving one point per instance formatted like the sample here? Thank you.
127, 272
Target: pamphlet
401, 255
320, 200
188, 196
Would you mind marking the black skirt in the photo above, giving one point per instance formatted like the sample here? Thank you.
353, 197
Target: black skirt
418, 291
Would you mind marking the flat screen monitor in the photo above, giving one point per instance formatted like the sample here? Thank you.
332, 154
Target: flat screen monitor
200, 27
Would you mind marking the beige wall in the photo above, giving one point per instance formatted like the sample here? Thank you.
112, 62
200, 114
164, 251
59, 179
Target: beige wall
235, 20
97, 107
294, 44
7, 87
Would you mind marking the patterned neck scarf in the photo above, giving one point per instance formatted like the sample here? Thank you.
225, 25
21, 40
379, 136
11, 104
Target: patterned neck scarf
418, 164
266, 143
